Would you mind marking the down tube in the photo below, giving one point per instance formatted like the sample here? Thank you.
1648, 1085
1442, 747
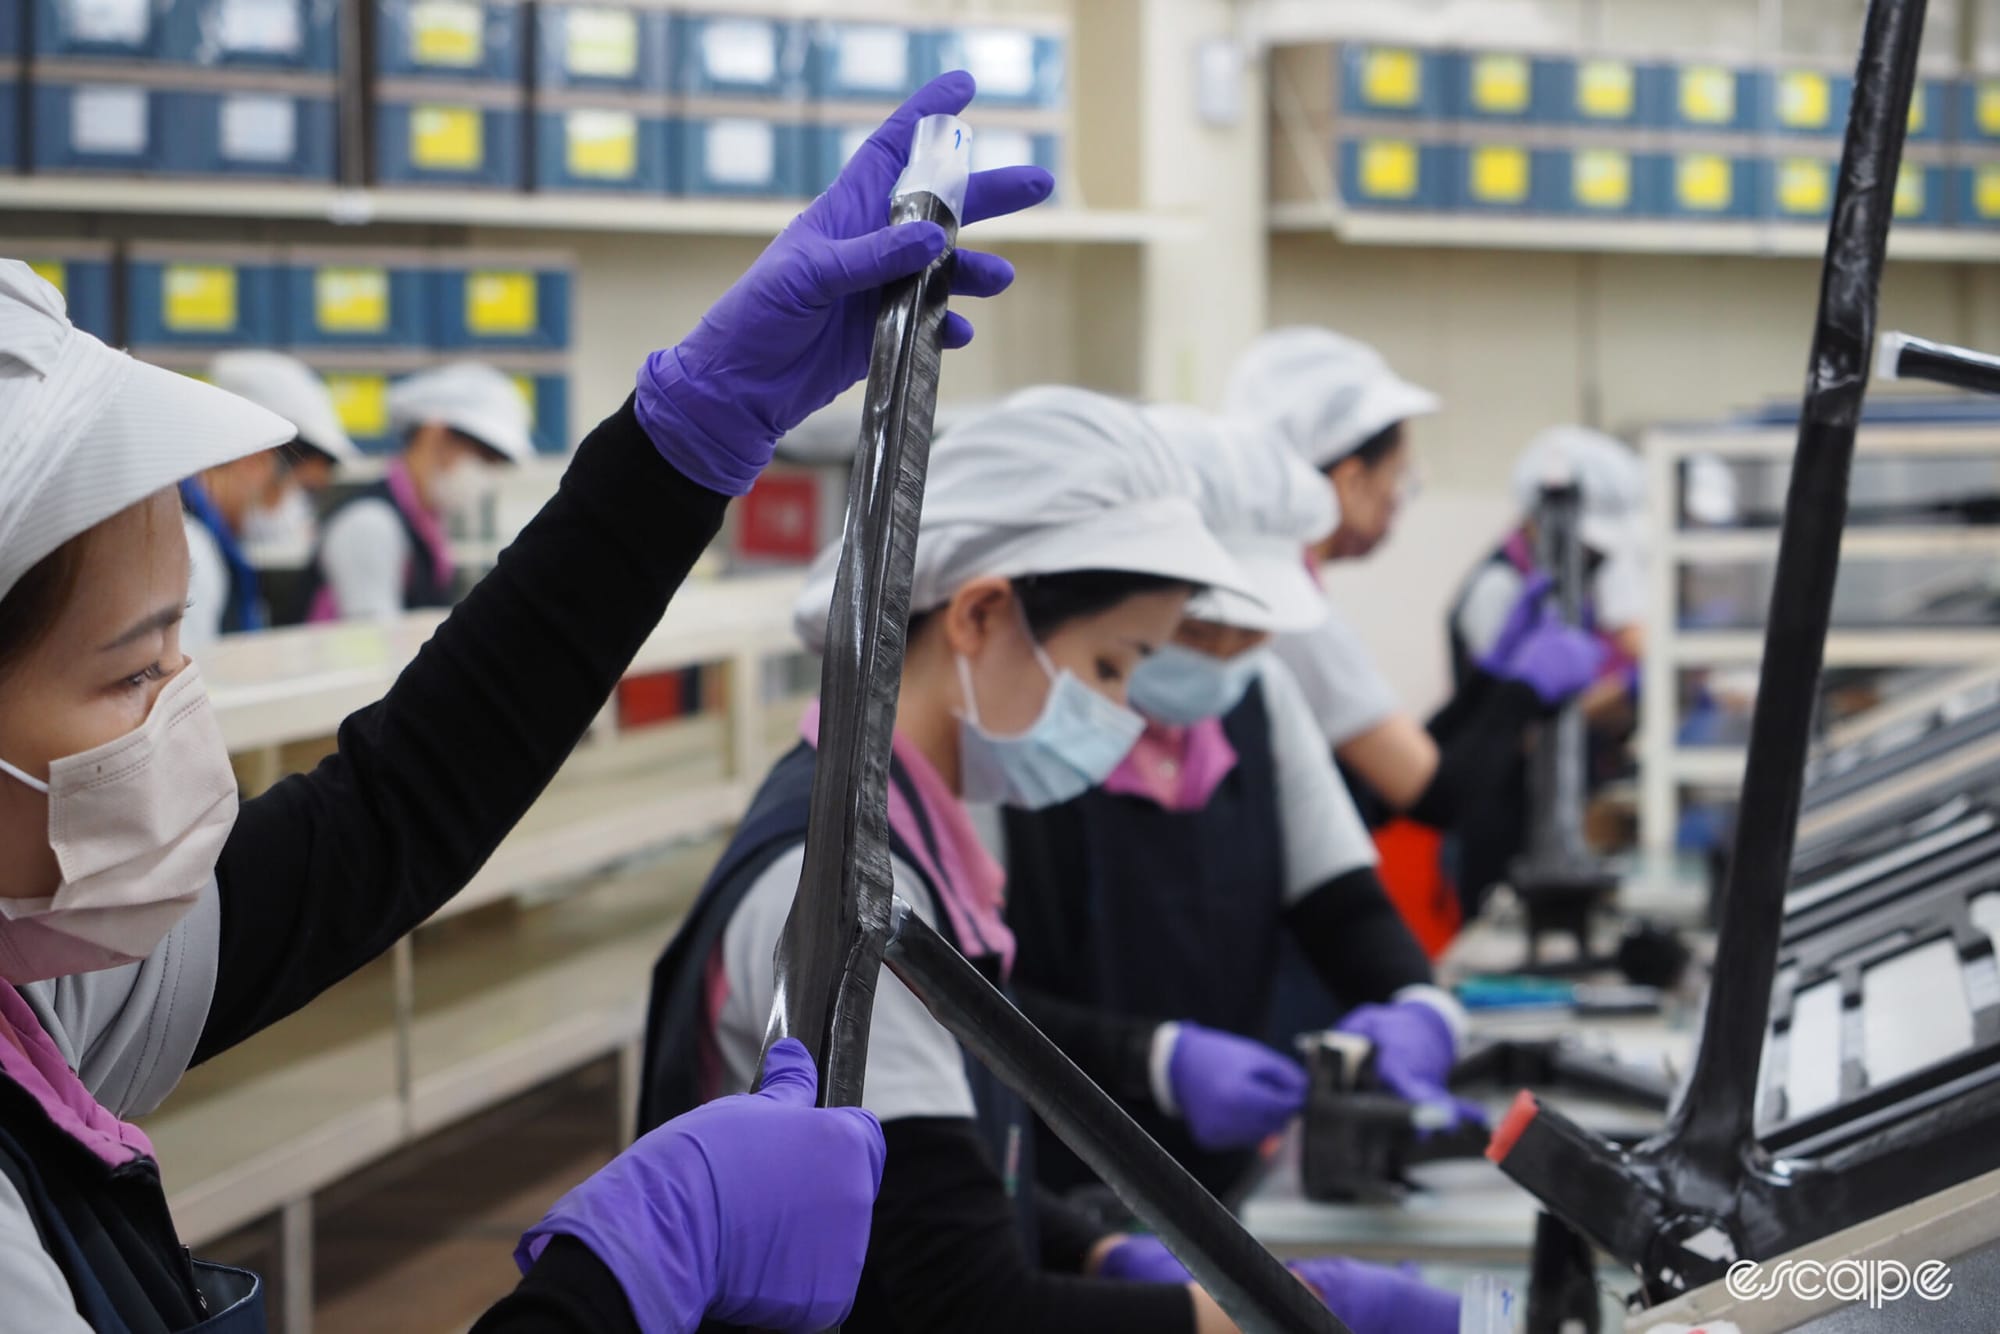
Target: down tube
1258, 1292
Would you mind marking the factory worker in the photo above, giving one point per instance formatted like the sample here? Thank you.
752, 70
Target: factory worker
386, 548
149, 920
285, 518
1149, 912
216, 504
1056, 550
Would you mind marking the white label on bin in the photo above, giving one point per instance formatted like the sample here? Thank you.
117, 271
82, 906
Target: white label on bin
265, 27
108, 119
112, 22
447, 32
851, 140
601, 43
1002, 62
1002, 148
739, 51
259, 128
872, 57
742, 152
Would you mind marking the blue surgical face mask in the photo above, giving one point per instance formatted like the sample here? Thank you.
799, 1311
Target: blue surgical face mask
1178, 686
1072, 746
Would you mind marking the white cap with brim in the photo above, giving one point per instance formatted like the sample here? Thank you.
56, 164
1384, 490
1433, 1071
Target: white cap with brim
471, 398
1322, 393
1609, 478
86, 431
288, 387
1052, 481
1266, 505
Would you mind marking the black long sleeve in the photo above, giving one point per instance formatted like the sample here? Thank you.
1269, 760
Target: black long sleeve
1115, 1050
326, 870
1478, 734
569, 1291
1068, 1235
945, 1253
1357, 943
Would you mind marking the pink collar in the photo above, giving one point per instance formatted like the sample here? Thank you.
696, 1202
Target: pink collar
403, 491
1175, 768
972, 885
1519, 554
38, 1067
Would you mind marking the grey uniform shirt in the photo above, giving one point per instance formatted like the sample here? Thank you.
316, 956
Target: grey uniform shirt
363, 555
1348, 695
129, 1033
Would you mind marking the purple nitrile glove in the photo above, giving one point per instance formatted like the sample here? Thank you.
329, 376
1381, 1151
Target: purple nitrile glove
1414, 1051
1142, 1260
753, 1209
1525, 614
1556, 661
1376, 1299
796, 329
1232, 1091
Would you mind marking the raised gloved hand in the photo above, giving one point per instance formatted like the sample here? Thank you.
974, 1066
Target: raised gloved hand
1376, 1299
1142, 1260
1414, 1051
1231, 1091
1556, 660
1523, 616
753, 1209
796, 329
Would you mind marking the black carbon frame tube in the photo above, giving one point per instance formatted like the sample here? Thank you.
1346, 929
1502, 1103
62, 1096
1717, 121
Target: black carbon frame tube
830, 954
1941, 363
1713, 1121
1246, 1280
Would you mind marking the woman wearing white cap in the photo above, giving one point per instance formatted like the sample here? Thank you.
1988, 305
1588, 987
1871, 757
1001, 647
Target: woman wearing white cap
147, 920
384, 549
285, 518
1057, 547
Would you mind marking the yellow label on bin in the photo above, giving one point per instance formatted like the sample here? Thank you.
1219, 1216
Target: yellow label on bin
602, 145
1986, 191
200, 298
1389, 169
53, 272
1917, 107
1391, 77
500, 303
361, 400
524, 385
351, 300
447, 32
1805, 186
1805, 100
1986, 108
1703, 181
447, 138
1499, 174
1501, 84
1602, 178
1708, 95
601, 43
1605, 90
1909, 190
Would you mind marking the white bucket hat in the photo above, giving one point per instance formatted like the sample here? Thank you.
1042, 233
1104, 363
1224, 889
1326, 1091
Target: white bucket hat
1051, 481
86, 431
1265, 505
471, 398
1322, 393
1609, 478
288, 387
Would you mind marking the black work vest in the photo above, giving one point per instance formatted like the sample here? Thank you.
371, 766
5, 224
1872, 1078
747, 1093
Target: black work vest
110, 1233
421, 588
1121, 904
680, 1068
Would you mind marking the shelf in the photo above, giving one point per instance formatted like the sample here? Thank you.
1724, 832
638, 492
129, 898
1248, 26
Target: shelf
1779, 444
1844, 648
1647, 236
1707, 766
1726, 545
536, 212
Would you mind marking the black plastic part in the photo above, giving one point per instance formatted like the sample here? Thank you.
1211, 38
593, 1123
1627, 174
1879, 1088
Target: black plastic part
1562, 1281
1257, 1291
1941, 363
1559, 1063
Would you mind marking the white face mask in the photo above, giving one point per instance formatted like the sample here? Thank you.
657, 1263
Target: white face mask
287, 524
459, 493
137, 825
1074, 743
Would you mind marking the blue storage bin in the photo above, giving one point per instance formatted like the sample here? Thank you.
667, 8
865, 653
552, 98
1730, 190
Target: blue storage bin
1976, 113
253, 34
460, 39
1595, 90
1396, 81
1385, 172
747, 156
1930, 111
547, 392
617, 148
740, 55
1799, 188
1923, 194
120, 29
1707, 185
1005, 145
81, 272
1978, 195
828, 146
10, 34
1506, 178
202, 297
1502, 86
360, 394
10, 120
262, 133
615, 46
502, 302
1601, 182
96, 126
1710, 97
442, 137
1806, 102
358, 298
1014, 66
855, 61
